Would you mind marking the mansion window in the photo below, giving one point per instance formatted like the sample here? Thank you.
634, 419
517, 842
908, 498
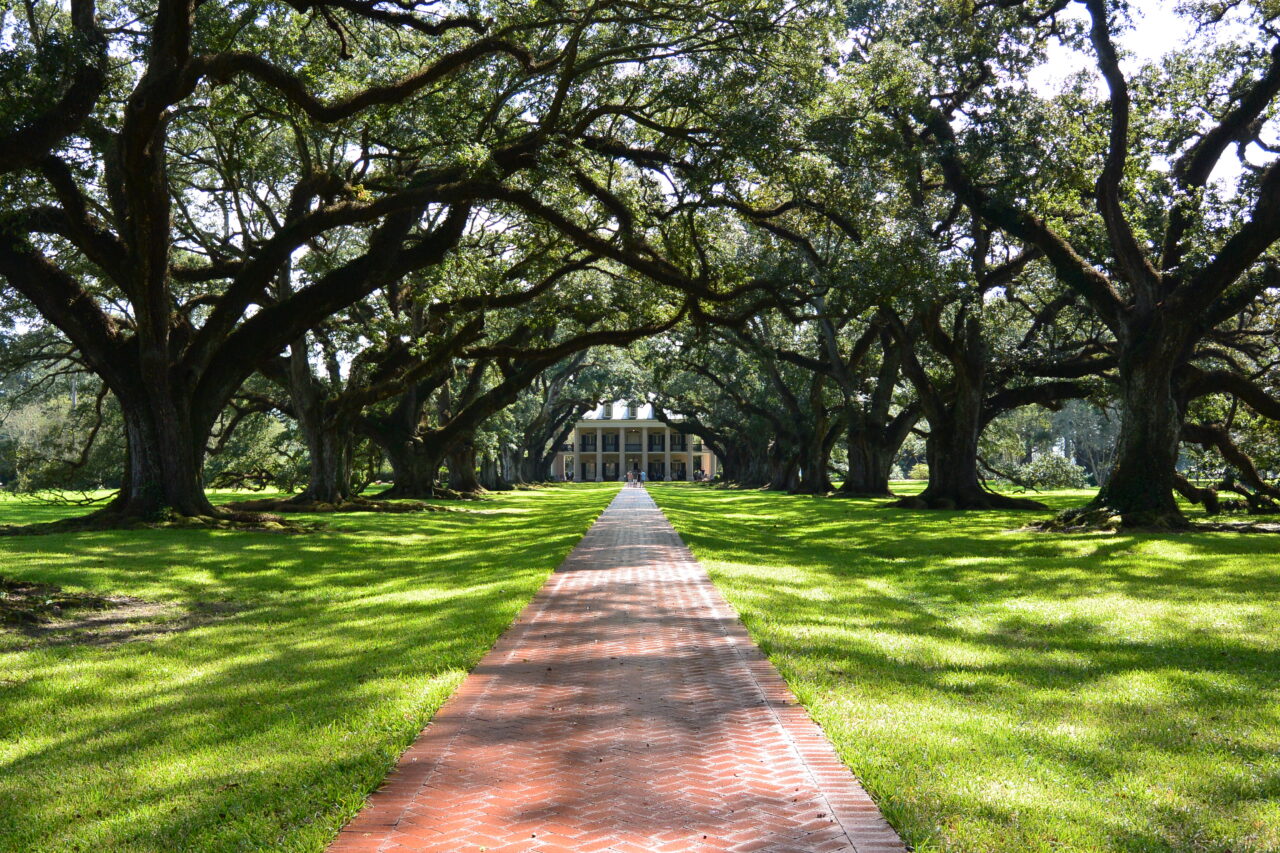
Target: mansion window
588, 442
656, 443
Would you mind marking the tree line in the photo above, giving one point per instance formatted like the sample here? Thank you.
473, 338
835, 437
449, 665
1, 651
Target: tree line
419, 234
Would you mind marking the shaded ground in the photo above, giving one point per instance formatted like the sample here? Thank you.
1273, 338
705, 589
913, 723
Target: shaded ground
46, 614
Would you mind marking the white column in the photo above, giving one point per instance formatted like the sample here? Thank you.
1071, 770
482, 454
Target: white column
666, 452
599, 454
644, 450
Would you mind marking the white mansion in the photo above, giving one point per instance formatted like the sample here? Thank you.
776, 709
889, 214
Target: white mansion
618, 437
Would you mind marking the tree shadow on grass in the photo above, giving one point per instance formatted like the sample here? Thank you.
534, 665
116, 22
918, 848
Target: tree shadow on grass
266, 729
1004, 690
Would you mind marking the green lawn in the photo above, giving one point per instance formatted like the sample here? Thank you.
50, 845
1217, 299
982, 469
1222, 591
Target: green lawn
1002, 690
265, 727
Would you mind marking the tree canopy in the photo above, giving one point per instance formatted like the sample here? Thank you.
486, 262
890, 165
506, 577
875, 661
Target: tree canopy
407, 236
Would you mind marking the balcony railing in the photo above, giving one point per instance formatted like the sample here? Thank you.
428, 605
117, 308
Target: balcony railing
567, 447
697, 447
588, 447
633, 448
611, 447
679, 447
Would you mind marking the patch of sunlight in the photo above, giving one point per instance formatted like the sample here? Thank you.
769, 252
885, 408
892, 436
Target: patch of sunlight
970, 561
1076, 733
1139, 686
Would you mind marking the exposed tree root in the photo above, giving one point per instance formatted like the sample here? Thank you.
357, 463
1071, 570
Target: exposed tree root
1096, 518
287, 505
984, 500
1106, 519
841, 493
438, 493
111, 518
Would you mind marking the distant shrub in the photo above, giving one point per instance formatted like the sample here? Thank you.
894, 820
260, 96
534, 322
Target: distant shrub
1052, 471
919, 471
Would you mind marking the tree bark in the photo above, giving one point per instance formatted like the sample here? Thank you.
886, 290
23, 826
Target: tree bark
872, 435
330, 439
784, 468
491, 476
1140, 488
871, 455
165, 444
415, 468
330, 448
462, 464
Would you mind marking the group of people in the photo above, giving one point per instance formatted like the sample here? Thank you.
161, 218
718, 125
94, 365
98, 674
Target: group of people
636, 478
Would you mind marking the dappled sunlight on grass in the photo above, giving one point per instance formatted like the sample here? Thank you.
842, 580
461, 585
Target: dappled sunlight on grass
1004, 690
265, 728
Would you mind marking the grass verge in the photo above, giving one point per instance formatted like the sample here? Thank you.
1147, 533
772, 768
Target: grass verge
1002, 690
262, 728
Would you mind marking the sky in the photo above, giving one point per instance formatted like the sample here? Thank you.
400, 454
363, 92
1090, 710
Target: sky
1156, 30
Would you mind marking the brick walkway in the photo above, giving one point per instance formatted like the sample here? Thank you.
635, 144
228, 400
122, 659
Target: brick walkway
625, 710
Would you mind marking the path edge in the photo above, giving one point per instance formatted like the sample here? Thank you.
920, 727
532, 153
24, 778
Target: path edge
851, 805
385, 805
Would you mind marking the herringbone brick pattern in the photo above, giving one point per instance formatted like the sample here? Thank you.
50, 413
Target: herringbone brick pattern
625, 710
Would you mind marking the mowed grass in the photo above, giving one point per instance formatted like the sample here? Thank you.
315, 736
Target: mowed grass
1003, 690
266, 727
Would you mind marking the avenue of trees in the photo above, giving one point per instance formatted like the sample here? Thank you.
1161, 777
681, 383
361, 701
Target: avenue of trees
318, 243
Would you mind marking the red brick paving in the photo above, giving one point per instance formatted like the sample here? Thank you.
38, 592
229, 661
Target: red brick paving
625, 710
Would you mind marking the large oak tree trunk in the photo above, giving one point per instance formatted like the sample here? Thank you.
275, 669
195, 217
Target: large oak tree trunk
952, 451
415, 468
871, 456
491, 476
874, 437
462, 464
744, 465
784, 468
331, 449
165, 458
1141, 485
816, 458
330, 438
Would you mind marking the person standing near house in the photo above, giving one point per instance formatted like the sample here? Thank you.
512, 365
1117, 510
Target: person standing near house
644, 477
